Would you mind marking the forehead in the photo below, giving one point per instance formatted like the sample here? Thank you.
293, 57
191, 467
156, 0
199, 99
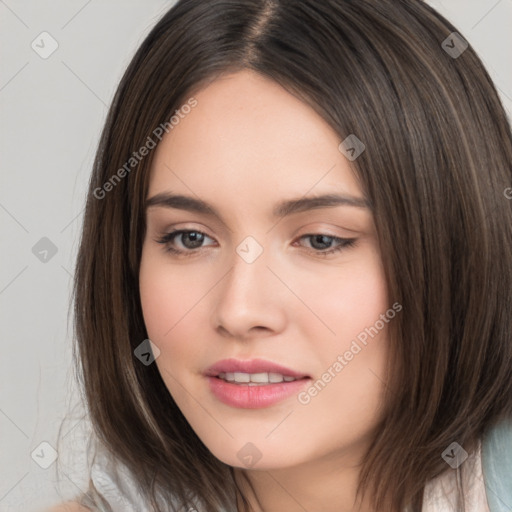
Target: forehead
248, 135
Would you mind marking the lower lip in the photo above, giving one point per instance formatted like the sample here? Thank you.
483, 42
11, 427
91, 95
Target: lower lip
254, 397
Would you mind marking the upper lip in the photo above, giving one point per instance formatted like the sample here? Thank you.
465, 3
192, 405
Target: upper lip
251, 366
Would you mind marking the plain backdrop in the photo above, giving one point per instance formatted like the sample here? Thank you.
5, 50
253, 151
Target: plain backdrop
53, 106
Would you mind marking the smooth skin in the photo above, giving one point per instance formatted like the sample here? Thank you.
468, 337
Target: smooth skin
247, 146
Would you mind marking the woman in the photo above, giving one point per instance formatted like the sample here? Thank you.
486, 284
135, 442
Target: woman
294, 281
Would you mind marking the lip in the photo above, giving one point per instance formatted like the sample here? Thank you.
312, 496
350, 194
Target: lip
253, 397
251, 366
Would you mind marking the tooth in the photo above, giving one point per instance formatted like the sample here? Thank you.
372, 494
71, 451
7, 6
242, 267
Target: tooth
242, 377
254, 378
259, 377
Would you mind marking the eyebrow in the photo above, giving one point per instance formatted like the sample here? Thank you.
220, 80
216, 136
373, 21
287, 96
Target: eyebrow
282, 209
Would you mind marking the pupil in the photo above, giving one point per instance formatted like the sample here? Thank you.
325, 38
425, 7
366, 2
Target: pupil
321, 241
194, 238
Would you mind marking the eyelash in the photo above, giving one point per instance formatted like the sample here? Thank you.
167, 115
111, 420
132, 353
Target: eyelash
168, 238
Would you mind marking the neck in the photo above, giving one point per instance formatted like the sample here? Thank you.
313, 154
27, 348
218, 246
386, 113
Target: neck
324, 484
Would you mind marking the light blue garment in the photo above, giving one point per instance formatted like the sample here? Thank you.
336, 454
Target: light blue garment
497, 466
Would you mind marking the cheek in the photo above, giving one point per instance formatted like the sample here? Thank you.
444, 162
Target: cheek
160, 307
346, 300
166, 299
168, 296
174, 308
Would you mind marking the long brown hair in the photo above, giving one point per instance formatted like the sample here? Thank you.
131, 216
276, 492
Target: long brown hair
436, 165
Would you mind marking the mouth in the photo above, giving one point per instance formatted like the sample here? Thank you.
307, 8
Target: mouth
255, 379
257, 371
254, 383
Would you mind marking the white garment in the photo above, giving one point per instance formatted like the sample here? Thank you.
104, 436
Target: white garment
116, 484
113, 481
441, 492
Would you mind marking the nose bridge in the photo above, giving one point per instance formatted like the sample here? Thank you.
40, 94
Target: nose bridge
247, 283
247, 298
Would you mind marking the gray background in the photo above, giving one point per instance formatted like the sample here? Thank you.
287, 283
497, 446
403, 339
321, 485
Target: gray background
52, 111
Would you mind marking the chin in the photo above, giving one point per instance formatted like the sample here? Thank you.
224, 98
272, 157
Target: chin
257, 454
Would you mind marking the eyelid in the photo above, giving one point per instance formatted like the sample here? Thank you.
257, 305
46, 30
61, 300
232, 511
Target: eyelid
329, 228
184, 226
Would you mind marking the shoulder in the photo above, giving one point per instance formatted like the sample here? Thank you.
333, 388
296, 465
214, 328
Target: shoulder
70, 506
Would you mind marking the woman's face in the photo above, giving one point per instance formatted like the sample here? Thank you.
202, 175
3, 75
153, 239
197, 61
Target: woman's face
265, 285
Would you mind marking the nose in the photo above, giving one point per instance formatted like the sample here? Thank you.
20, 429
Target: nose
250, 300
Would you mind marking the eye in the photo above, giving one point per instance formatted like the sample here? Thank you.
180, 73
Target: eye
185, 241
323, 244
182, 240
